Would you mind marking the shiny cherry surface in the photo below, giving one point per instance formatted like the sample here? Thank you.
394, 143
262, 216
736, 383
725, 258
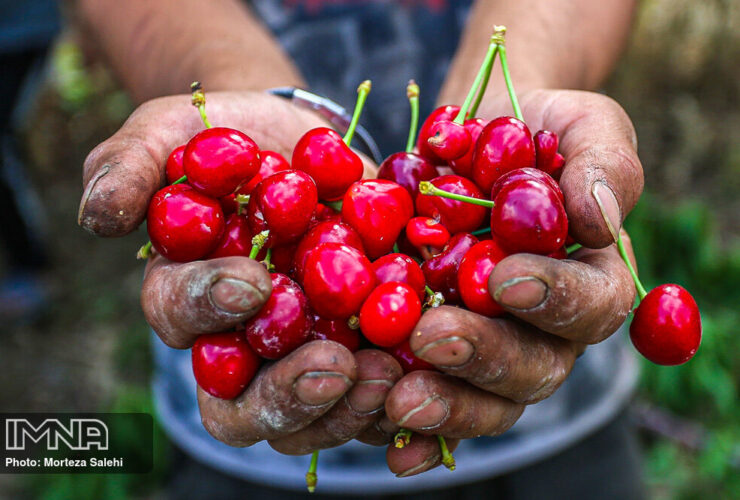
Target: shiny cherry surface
449, 140
390, 313
448, 113
472, 278
173, 168
236, 240
270, 163
336, 330
324, 232
520, 174
548, 158
407, 169
400, 268
504, 144
426, 232
223, 364
456, 216
407, 359
464, 165
440, 271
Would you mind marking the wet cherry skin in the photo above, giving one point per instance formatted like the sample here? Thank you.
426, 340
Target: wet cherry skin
183, 224
407, 169
472, 278
390, 313
441, 270
464, 165
223, 364
456, 216
336, 330
504, 144
400, 268
236, 240
449, 140
173, 168
425, 232
441, 113
219, 160
666, 328
548, 158
407, 359
324, 232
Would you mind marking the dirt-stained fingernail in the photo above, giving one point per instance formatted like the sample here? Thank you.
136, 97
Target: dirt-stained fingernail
426, 464
235, 296
82, 219
320, 388
368, 396
431, 413
522, 293
608, 206
450, 351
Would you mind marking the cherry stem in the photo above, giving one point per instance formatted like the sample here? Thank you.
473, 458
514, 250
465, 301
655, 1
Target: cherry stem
507, 78
258, 241
402, 438
182, 179
145, 251
396, 248
199, 101
311, 474
242, 200
478, 232
573, 248
434, 299
447, 459
268, 258
353, 322
412, 92
362, 91
482, 90
623, 252
336, 205
484, 68
426, 187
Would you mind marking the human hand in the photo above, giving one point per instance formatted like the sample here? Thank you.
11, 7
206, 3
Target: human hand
492, 368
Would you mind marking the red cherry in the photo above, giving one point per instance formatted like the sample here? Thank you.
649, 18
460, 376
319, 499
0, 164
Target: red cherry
183, 224
325, 232
456, 216
504, 144
336, 330
472, 278
324, 213
390, 313
560, 254
283, 324
173, 168
282, 203
425, 232
270, 163
223, 364
219, 160
237, 239
514, 176
441, 270
378, 210
548, 158
449, 140
425, 132
407, 359
323, 155
282, 258
407, 169
337, 278
402, 269
463, 166
666, 328
529, 217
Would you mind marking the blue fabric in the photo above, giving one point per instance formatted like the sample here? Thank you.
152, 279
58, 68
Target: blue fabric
27, 24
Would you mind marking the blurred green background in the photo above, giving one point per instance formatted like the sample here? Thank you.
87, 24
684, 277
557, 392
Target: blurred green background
680, 83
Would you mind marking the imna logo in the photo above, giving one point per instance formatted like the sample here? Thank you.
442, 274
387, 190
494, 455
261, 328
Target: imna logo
81, 434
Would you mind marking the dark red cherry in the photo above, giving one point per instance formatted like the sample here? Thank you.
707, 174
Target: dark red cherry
237, 239
548, 158
449, 140
378, 210
283, 204
400, 268
325, 232
282, 258
456, 216
504, 144
323, 155
407, 359
529, 217
425, 232
390, 313
223, 364
183, 224
337, 278
441, 270
173, 169
425, 132
219, 160
472, 278
324, 213
464, 165
666, 328
514, 176
284, 322
559, 254
407, 169
336, 330
270, 163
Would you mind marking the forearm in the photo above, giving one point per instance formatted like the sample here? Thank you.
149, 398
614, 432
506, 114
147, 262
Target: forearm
550, 44
158, 47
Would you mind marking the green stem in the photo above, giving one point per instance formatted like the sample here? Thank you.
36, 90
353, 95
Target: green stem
268, 258
623, 252
573, 248
199, 101
311, 477
241, 200
484, 68
478, 232
362, 91
402, 438
412, 92
481, 91
336, 205
428, 290
182, 179
426, 187
447, 459
258, 241
396, 249
509, 84
145, 251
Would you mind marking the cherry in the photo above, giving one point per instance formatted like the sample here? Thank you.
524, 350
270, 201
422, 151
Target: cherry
456, 216
407, 169
337, 278
237, 239
390, 313
514, 176
324, 213
173, 168
559, 254
281, 258
336, 330
503, 145
463, 165
400, 268
666, 328
441, 270
548, 158
378, 210
447, 113
472, 278
223, 364
407, 359
270, 163
183, 224
324, 232
217, 161
283, 203
283, 323
424, 233
449, 140
528, 217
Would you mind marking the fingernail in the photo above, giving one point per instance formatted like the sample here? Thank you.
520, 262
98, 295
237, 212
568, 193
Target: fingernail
609, 207
429, 414
320, 388
451, 351
235, 296
419, 467
521, 293
368, 396
82, 220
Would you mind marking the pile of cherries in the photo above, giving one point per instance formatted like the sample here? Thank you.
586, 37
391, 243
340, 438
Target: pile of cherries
358, 260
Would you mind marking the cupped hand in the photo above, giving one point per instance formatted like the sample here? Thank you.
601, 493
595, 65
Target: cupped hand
491, 368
